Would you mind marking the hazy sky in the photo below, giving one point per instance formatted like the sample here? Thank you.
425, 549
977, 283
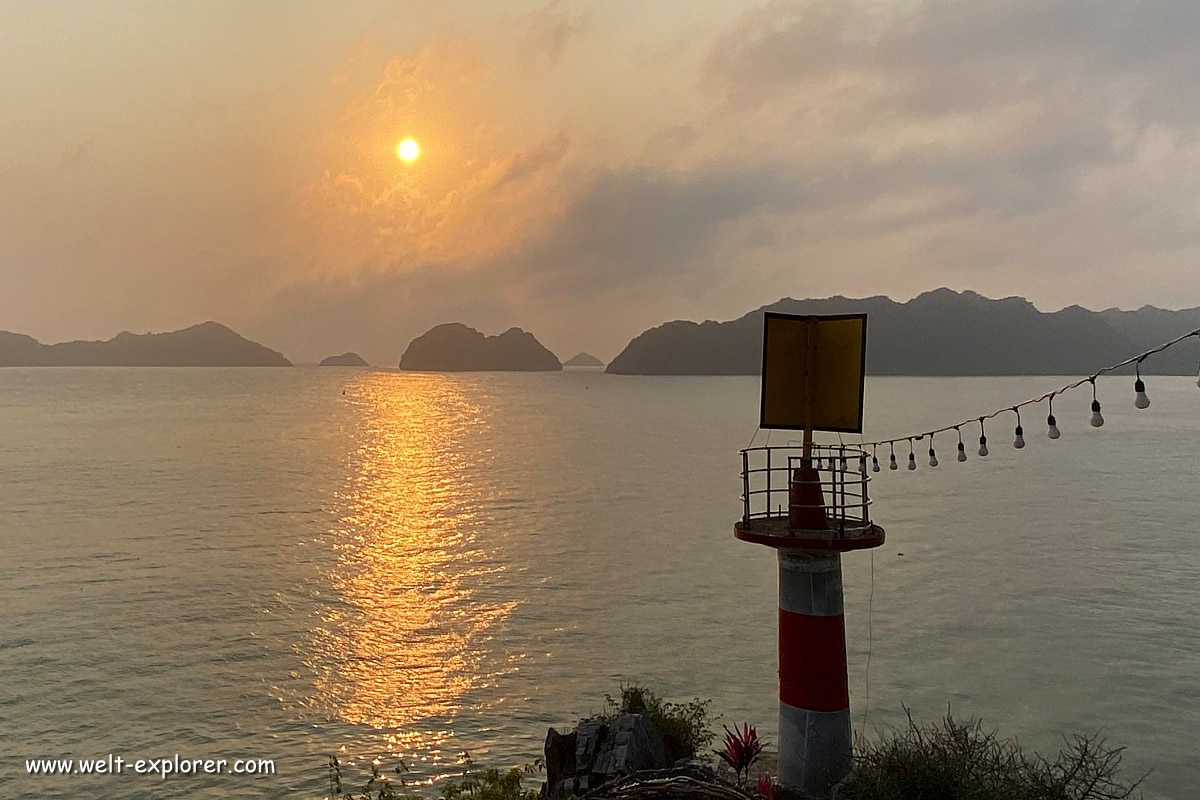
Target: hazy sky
588, 169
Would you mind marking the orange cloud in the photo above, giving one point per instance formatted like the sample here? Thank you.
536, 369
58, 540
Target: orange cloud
473, 192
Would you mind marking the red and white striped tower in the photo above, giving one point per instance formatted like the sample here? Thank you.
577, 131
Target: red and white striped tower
815, 744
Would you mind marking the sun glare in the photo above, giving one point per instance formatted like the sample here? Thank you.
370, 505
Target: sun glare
408, 150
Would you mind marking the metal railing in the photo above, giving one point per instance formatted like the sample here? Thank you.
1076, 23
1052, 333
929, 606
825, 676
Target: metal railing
769, 475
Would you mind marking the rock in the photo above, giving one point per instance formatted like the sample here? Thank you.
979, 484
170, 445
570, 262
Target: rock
633, 744
583, 360
559, 757
595, 754
454, 347
345, 360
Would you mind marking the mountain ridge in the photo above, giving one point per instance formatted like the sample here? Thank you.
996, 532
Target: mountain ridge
941, 332
207, 344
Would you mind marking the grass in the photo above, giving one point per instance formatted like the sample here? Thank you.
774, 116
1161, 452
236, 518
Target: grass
960, 760
947, 760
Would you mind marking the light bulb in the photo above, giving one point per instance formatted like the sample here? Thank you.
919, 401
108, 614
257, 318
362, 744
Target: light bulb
1141, 400
983, 451
892, 462
962, 452
874, 464
844, 467
1019, 440
862, 465
1097, 417
1052, 431
912, 461
933, 462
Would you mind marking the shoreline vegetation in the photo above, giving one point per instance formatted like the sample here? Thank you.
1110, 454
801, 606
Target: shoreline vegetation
950, 759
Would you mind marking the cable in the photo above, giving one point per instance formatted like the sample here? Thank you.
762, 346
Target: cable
1138, 359
757, 431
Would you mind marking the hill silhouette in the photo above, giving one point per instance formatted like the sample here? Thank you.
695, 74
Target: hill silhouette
453, 347
942, 332
208, 344
344, 360
583, 360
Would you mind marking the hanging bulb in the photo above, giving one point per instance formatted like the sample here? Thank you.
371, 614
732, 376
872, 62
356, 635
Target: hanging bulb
874, 464
892, 462
862, 466
844, 467
1052, 431
962, 451
933, 462
1097, 418
1140, 399
1019, 439
912, 461
983, 451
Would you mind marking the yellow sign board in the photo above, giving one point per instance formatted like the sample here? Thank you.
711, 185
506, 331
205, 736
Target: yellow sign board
813, 372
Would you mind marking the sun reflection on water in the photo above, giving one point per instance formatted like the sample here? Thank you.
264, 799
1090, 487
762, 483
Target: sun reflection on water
403, 640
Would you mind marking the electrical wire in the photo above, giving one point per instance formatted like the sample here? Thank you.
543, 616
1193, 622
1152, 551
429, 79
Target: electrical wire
1138, 359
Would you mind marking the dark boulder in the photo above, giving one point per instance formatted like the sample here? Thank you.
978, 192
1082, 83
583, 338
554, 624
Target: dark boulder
596, 753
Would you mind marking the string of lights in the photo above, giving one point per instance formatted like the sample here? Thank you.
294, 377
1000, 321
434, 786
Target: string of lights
1141, 401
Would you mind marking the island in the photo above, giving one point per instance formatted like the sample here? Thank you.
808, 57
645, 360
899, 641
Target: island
454, 347
942, 332
583, 360
209, 344
344, 360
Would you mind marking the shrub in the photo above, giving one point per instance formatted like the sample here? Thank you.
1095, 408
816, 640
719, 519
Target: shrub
684, 726
491, 784
961, 761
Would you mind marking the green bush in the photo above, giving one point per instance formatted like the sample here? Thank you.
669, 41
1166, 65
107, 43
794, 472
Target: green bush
684, 726
490, 784
954, 760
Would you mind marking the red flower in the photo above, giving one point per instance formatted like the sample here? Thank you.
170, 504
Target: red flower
766, 787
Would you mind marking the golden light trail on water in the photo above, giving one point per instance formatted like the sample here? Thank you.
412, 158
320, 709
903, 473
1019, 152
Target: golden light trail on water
404, 642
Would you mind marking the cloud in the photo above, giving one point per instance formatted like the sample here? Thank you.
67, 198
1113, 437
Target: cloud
547, 33
856, 147
793, 148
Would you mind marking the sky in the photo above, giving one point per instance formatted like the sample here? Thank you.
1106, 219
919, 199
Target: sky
588, 169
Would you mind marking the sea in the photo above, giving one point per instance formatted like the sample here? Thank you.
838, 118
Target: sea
284, 565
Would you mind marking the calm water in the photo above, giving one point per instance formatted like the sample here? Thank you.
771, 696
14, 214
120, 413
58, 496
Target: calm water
286, 563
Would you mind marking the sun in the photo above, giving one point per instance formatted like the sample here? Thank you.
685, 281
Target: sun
408, 150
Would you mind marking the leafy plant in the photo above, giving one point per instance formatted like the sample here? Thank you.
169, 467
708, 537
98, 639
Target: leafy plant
742, 748
491, 784
684, 726
766, 787
378, 786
